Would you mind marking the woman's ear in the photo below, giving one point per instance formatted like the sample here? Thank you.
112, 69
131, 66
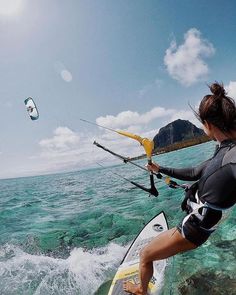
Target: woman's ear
207, 125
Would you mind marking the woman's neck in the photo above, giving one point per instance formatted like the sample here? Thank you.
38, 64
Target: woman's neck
220, 136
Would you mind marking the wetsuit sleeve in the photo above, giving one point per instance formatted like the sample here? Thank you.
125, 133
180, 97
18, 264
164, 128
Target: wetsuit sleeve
189, 174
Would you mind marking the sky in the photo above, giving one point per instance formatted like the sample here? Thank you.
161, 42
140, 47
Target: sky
126, 64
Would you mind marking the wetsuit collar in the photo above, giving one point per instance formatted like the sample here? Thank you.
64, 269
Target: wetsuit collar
227, 142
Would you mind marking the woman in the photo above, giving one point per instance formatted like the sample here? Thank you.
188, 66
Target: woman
213, 191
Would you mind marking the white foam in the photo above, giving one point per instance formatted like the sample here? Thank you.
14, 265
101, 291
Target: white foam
81, 273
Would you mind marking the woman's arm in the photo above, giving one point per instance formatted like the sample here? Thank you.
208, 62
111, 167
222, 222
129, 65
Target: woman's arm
189, 174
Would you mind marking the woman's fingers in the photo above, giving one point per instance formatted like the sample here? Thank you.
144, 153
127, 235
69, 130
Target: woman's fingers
154, 167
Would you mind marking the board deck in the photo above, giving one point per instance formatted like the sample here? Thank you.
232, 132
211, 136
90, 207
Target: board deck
129, 267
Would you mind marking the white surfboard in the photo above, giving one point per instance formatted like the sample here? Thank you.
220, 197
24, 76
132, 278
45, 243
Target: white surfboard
129, 267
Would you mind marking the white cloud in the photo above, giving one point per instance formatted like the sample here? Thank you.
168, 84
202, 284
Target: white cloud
231, 89
128, 118
185, 115
67, 150
63, 140
186, 62
67, 146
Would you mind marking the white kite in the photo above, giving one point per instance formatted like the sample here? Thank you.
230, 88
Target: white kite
31, 108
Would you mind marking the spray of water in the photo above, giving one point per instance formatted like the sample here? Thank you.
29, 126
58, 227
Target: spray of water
81, 273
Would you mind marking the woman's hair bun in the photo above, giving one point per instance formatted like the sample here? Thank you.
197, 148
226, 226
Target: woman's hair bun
217, 89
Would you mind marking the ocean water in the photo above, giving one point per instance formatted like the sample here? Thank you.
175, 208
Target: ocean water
67, 233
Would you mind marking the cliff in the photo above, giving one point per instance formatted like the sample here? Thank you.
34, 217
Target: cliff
176, 131
176, 135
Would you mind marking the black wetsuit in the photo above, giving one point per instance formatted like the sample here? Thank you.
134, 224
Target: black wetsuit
215, 190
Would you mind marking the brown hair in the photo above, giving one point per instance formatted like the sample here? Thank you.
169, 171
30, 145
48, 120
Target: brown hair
217, 108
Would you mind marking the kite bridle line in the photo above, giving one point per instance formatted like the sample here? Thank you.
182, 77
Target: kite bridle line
125, 159
152, 190
168, 181
148, 146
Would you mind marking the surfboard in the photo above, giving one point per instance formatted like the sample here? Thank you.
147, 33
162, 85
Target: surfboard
129, 267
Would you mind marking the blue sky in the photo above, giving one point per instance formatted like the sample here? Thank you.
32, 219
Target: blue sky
131, 65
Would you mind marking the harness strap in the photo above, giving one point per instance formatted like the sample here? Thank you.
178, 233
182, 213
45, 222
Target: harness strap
195, 210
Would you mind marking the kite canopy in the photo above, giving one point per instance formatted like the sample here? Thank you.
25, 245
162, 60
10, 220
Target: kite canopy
31, 108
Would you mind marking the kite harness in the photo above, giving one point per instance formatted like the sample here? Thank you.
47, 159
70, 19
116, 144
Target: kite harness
212, 193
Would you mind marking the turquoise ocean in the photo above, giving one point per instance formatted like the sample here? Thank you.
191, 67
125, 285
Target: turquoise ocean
67, 233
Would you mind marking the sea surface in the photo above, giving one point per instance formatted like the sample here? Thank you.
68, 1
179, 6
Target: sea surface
67, 233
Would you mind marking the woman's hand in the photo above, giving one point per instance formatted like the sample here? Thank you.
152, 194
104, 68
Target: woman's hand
154, 167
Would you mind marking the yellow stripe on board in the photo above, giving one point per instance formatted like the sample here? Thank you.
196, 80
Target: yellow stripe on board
130, 272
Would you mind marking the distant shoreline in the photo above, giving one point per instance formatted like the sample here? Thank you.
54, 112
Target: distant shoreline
175, 146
